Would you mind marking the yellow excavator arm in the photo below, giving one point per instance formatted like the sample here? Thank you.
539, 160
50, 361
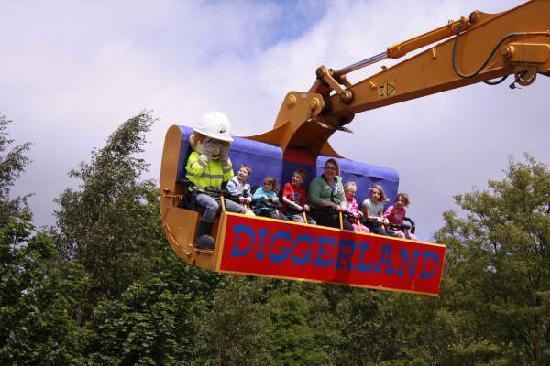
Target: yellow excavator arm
481, 47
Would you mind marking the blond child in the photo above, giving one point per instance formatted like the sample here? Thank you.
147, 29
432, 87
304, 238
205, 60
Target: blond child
352, 208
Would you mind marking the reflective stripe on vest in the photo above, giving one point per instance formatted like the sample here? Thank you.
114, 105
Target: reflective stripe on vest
212, 174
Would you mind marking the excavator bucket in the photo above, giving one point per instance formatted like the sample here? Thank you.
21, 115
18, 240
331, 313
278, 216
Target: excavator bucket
290, 250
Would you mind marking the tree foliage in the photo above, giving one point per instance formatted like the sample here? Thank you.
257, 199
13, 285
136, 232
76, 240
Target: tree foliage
498, 280
39, 300
154, 321
111, 223
13, 161
105, 288
235, 329
294, 339
39, 295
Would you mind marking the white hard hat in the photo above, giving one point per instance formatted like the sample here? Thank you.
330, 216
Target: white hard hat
216, 125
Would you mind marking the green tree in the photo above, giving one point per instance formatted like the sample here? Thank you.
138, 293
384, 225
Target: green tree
111, 223
365, 333
13, 161
235, 329
154, 321
39, 299
415, 330
38, 293
497, 281
377, 328
294, 334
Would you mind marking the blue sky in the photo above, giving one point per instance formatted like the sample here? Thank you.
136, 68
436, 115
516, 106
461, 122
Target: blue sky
72, 71
293, 19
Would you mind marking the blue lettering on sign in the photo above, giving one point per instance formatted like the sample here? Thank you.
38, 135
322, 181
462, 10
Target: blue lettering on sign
283, 254
299, 260
263, 233
235, 251
362, 266
427, 256
385, 258
281, 247
345, 255
406, 258
322, 240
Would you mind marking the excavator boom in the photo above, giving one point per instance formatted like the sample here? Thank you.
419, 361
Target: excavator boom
481, 47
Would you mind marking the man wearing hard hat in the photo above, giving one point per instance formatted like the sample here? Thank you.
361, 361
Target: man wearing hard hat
209, 166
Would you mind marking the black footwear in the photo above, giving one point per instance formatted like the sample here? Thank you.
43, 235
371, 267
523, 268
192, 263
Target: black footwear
203, 238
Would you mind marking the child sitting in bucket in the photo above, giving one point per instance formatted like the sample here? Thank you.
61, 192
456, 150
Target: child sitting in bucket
395, 215
350, 189
373, 209
294, 198
265, 200
239, 188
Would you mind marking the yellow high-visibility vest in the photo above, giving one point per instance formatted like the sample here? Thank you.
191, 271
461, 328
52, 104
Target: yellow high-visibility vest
209, 174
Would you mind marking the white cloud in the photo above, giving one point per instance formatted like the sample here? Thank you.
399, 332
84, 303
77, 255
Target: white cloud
71, 72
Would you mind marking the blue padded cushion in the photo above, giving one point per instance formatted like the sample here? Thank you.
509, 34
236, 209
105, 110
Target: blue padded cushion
265, 159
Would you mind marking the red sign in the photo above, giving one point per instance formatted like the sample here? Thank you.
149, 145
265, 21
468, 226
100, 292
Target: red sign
259, 246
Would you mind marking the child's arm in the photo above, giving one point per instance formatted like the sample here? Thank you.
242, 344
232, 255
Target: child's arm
273, 197
257, 198
366, 206
355, 209
304, 202
292, 204
232, 188
258, 194
246, 193
388, 214
287, 192
354, 206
